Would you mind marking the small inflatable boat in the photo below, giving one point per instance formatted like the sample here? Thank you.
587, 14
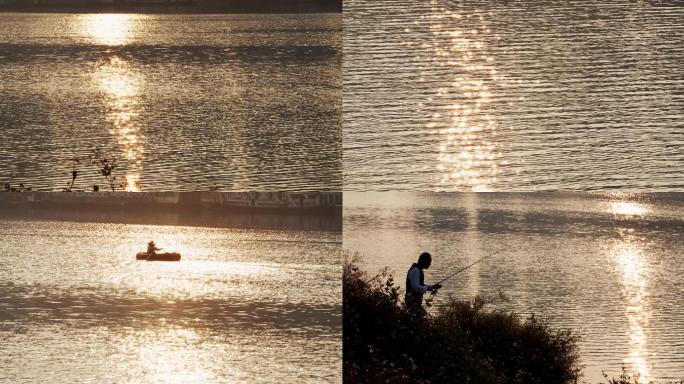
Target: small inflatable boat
167, 256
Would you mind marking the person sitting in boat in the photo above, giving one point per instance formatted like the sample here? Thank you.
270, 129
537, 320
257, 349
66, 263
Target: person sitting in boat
152, 248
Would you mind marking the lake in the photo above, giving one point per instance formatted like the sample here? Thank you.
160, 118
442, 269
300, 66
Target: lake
607, 266
183, 102
513, 96
75, 305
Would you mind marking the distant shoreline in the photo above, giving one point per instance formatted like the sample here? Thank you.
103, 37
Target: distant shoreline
205, 209
179, 7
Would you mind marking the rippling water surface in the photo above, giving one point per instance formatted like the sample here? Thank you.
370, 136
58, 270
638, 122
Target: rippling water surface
514, 96
608, 266
184, 102
75, 305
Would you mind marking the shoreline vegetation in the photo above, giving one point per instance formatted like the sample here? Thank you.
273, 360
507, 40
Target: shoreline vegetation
462, 341
172, 6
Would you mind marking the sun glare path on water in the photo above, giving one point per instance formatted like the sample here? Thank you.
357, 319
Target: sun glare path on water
120, 88
468, 153
109, 28
632, 262
628, 208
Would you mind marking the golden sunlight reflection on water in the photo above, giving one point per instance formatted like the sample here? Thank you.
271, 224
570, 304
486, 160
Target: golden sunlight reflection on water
472, 241
628, 208
632, 263
199, 279
168, 355
108, 28
468, 158
121, 90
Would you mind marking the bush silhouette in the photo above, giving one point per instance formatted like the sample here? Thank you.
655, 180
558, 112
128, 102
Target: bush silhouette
460, 343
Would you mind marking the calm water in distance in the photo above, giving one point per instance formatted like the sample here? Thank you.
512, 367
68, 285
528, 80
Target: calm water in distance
608, 266
184, 102
75, 305
513, 96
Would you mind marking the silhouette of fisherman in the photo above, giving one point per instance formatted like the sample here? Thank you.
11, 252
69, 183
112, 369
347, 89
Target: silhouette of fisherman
415, 283
152, 248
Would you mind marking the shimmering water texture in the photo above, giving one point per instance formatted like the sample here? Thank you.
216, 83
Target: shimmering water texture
183, 102
513, 96
75, 305
607, 266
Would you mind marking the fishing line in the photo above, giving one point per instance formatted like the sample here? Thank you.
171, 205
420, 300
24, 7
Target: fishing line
466, 267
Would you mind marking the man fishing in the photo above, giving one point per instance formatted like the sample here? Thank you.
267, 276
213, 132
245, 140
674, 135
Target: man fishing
152, 248
415, 283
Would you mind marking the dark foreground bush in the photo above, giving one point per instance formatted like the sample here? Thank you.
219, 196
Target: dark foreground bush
461, 343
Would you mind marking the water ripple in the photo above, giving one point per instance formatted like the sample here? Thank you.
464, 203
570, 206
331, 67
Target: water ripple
183, 102
515, 97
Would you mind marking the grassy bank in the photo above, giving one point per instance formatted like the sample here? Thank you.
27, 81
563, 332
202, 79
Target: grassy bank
461, 342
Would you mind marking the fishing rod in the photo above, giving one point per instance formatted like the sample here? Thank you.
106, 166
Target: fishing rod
466, 267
